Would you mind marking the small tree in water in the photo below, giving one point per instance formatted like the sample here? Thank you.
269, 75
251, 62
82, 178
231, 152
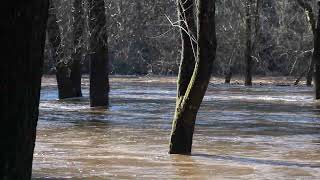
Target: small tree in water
192, 90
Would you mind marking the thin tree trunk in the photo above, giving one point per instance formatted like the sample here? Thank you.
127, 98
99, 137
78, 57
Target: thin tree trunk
316, 57
248, 51
186, 13
186, 110
99, 78
310, 72
20, 91
229, 74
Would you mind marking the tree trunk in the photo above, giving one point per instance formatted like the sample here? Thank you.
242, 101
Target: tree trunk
99, 78
312, 21
248, 52
188, 105
78, 29
310, 72
229, 74
186, 13
316, 57
68, 75
20, 91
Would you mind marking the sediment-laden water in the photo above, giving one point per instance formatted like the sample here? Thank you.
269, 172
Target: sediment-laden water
263, 132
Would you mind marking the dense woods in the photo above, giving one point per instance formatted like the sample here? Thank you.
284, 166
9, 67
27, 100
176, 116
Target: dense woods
191, 39
142, 40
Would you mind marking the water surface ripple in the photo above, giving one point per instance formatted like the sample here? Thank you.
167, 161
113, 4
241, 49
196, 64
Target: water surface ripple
263, 132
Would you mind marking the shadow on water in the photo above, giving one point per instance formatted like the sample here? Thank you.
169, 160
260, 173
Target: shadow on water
257, 161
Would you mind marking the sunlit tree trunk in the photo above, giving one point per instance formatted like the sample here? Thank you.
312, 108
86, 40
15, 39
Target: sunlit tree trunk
188, 105
188, 52
248, 51
316, 57
20, 91
99, 79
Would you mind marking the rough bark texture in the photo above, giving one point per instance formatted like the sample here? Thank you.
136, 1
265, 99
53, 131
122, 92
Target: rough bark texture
248, 51
68, 75
185, 114
312, 21
99, 80
20, 91
316, 57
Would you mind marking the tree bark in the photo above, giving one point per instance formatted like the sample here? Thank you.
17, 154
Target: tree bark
316, 57
248, 51
99, 63
188, 106
20, 91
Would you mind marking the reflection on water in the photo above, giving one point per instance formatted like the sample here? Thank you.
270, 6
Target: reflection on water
264, 132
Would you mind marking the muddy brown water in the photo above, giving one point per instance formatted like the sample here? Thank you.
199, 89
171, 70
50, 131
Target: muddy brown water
263, 132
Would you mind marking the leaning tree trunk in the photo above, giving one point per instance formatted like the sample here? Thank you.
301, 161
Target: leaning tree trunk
248, 51
20, 91
316, 57
99, 79
186, 14
188, 105
65, 85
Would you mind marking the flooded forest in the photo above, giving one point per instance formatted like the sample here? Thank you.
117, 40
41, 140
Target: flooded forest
170, 89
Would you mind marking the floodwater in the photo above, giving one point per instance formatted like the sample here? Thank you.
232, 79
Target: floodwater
263, 132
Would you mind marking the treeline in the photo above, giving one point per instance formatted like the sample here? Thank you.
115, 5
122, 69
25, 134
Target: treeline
142, 40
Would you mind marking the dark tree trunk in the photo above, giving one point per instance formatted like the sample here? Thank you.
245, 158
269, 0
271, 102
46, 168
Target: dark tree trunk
99, 78
312, 21
229, 74
20, 91
68, 75
188, 105
78, 29
248, 51
316, 57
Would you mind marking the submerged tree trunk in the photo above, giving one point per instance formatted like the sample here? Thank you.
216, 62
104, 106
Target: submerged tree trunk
99, 78
248, 51
68, 77
20, 89
229, 74
78, 29
188, 105
316, 57
312, 21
